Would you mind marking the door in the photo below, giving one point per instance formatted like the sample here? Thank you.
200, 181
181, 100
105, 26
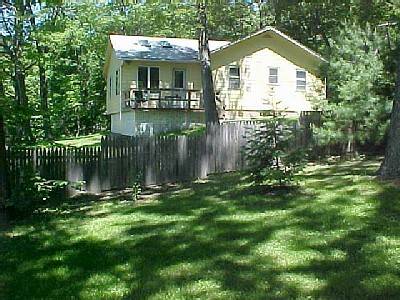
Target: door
179, 93
148, 83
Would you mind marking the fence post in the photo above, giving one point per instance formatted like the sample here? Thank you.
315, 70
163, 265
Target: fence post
158, 159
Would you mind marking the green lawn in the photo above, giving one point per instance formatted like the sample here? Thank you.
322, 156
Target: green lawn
76, 142
80, 141
95, 139
195, 130
337, 236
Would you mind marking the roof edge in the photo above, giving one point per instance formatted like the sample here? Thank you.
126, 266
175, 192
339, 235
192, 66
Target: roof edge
108, 57
162, 60
277, 32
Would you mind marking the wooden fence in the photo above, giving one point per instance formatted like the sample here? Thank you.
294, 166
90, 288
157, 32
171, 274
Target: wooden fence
120, 160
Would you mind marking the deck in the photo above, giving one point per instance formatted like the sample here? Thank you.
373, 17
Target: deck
184, 99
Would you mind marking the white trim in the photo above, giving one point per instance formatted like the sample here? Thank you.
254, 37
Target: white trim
305, 80
277, 75
184, 77
148, 75
234, 77
278, 33
117, 74
110, 49
233, 67
109, 87
163, 60
120, 92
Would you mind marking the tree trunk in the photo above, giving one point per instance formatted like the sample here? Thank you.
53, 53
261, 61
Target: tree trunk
350, 146
43, 85
260, 14
21, 97
210, 105
44, 92
3, 171
390, 167
44, 96
3, 166
367, 11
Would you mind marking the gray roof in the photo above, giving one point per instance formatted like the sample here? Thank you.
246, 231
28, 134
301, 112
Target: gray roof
158, 48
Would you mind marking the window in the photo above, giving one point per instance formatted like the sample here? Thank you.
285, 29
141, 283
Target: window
117, 82
154, 78
109, 87
273, 76
179, 79
234, 78
301, 80
142, 78
148, 78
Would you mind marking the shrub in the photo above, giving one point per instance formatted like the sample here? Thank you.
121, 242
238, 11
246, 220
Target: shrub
34, 192
273, 154
136, 187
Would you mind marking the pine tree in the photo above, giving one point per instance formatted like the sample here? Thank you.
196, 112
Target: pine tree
355, 111
273, 154
390, 167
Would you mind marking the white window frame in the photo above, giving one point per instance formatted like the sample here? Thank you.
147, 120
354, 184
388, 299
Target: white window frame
302, 87
110, 87
235, 77
270, 76
184, 77
148, 75
117, 79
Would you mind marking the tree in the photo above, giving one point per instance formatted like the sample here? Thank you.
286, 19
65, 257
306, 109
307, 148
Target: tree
48, 13
14, 43
54, 50
210, 105
390, 167
355, 111
230, 20
273, 154
3, 162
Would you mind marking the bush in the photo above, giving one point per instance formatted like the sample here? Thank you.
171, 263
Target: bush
273, 154
137, 187
34, 192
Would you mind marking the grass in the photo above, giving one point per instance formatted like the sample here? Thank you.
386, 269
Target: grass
95, 139
75, 142
86, 140
193, 131
336, 237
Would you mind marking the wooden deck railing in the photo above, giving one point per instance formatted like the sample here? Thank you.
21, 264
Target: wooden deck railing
163, 99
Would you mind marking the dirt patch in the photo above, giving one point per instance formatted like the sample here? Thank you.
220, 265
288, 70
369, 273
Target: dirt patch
148, 194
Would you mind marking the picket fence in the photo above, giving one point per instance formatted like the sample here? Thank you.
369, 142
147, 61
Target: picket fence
120, 160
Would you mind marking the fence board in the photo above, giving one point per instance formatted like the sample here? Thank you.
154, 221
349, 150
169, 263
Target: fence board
119, 160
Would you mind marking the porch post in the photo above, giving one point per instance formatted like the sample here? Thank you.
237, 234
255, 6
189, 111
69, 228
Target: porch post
120, 91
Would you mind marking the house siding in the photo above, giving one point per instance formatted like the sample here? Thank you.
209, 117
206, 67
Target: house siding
113, 100
254, 57
152, 122
130, 73
255, 92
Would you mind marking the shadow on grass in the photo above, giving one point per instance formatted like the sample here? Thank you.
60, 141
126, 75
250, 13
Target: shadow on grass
335, 237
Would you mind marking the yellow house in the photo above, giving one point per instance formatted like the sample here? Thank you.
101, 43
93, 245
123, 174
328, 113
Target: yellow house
154, 83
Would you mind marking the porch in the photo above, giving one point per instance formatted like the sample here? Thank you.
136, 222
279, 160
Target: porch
163, 98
